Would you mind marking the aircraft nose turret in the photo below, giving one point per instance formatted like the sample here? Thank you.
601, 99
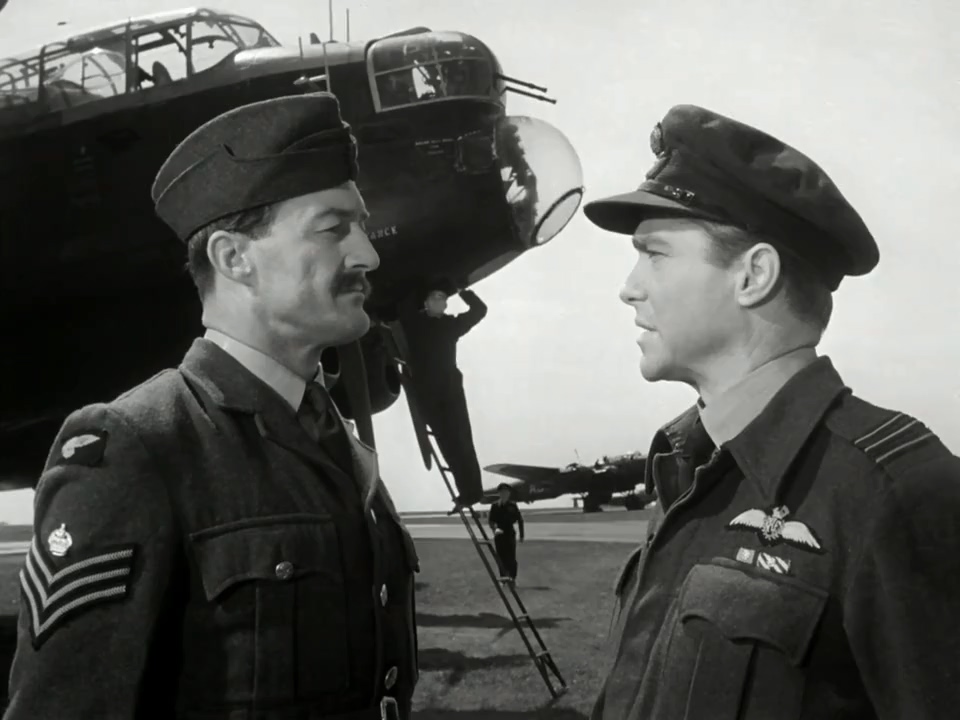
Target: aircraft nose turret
543, 177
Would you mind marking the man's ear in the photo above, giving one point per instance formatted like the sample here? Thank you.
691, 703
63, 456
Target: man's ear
229, 256
758, 275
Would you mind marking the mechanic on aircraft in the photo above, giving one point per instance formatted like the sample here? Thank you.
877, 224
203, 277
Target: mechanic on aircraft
504, 513
432, 336
214, 543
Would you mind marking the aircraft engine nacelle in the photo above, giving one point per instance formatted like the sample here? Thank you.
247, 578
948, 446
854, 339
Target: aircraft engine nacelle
380, 370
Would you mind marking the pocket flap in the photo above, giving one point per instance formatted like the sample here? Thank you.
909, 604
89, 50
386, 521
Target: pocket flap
278, 548
743, 605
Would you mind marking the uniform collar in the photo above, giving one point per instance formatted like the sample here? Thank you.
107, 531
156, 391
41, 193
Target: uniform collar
278, 377
727, 415
765, 449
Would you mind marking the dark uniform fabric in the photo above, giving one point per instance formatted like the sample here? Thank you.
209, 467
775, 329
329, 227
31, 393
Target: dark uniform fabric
197, 555
811, 570
438, 384
712, 167
503, 518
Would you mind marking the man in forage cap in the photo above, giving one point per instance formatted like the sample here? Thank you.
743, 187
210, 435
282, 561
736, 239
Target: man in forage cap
213, 542
803, 560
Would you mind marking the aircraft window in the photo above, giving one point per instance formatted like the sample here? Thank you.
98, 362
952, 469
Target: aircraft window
253, 36
211, 42
84, 77
19, 81
542, 177
432, 66
161, 57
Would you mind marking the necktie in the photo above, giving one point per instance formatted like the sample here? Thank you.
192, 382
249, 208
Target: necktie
319, 418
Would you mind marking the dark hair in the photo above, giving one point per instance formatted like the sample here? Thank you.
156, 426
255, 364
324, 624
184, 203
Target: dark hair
254, 223
805, 293
427, 289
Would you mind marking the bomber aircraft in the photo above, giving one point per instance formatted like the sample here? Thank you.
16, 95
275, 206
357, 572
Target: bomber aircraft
95, 295
611, 480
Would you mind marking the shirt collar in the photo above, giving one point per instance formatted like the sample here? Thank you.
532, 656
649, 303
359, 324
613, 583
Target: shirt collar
727, 415
281, 379
768, 445
766, 448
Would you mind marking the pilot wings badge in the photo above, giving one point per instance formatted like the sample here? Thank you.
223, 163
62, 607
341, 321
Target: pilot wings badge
773, 528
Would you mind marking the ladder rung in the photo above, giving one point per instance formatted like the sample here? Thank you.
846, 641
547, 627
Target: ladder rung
543, 659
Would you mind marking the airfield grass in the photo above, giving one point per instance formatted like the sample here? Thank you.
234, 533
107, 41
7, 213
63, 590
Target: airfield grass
473, 663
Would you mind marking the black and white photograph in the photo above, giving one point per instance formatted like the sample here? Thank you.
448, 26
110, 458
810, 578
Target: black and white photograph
480, 360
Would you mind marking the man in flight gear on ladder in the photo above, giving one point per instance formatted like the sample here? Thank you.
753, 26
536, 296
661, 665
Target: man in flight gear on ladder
503, 514
432, 337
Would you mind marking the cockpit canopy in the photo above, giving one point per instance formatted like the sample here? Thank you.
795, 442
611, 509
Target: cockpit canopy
419, 66
123, 58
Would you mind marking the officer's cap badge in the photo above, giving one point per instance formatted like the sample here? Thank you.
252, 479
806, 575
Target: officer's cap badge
656, 140
59, 541
772, 528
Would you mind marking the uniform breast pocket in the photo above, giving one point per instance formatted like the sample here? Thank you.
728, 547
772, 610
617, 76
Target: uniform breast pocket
739, 642
275, 591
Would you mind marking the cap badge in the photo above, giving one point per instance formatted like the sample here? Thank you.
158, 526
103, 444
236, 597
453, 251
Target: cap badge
656, 140
59, 541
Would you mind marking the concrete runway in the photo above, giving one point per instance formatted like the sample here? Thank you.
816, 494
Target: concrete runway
629, 531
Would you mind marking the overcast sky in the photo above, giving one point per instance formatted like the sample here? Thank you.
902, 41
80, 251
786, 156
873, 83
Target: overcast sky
869, 88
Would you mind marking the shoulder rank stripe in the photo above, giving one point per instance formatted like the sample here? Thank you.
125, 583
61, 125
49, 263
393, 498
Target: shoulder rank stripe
55, 596
893, 437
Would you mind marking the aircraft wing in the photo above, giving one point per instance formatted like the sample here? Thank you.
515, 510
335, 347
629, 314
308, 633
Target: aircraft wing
528, 473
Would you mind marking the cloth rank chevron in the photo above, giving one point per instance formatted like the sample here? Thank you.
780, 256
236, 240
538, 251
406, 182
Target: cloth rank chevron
55, 595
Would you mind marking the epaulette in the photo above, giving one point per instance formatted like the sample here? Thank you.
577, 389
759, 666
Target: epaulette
891, 439
131, 392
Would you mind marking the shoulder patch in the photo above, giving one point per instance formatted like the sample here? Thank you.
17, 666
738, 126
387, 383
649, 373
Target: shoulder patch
54, 595
893, 437
83, 448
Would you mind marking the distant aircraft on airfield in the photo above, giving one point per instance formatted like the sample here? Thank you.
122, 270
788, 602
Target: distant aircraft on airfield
611, 480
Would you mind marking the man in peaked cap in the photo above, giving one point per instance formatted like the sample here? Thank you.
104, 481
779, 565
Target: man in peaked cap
214, 542
803, 560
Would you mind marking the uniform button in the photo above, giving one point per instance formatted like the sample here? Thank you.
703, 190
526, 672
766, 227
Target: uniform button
383, 595
390, 680
284, 569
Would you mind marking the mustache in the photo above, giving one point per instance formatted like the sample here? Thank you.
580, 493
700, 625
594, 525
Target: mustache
350, 281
